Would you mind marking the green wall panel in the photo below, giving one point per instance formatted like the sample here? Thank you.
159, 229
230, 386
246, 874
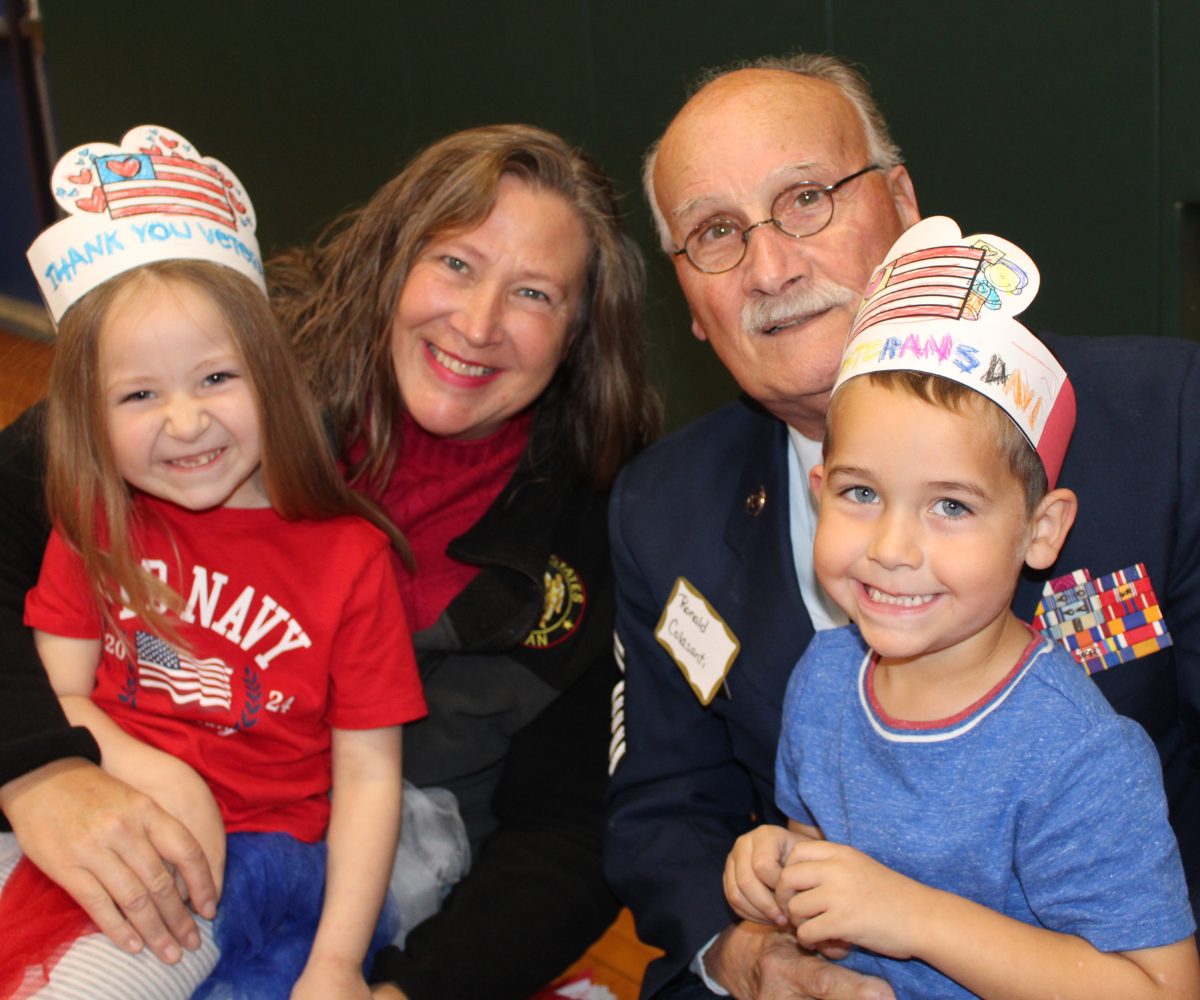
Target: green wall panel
1179, 101
1066, 128
1014, 123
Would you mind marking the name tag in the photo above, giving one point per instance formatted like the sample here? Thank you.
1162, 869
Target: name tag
698, 640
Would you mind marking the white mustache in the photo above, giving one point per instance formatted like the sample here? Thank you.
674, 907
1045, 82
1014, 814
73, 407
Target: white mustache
762, 316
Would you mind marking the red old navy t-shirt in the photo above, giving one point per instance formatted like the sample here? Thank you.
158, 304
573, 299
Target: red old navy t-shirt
292, 627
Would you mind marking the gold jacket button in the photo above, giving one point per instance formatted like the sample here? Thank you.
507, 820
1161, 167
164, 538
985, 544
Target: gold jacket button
756, 501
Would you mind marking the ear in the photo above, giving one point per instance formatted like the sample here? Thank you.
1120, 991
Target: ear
815, 478
698, 330
905, 198
1051, 522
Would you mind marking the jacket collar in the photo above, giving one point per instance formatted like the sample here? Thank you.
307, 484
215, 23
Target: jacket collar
764, 580
512, 543
764, 473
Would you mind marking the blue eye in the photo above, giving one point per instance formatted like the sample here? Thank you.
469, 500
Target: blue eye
951, 508
861, 494
137, 397
455, 264
218, 378
533, 293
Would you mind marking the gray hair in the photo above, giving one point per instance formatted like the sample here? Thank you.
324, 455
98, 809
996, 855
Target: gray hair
880, 147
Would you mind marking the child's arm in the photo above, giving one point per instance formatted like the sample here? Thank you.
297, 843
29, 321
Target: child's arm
364, 825
71, 666
832, 891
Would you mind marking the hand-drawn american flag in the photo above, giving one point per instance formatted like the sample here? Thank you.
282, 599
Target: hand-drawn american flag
141, 183
185, 679
932, 282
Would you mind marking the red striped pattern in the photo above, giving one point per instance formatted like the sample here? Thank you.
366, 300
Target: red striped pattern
930, 282
181, 187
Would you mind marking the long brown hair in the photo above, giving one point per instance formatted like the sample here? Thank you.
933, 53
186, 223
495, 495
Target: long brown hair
338, 301
89, 502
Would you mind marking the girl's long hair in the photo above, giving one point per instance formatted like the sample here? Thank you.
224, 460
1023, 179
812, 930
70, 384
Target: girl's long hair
338, 301
89, 502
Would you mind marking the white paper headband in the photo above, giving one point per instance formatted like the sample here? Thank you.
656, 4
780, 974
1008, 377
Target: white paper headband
944, 304
152, 198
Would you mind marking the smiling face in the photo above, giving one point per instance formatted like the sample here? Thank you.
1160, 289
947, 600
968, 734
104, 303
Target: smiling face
779, 319
923, 526
483, 319
179, 412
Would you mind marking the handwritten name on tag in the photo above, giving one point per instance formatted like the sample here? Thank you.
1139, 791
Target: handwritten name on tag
698, 640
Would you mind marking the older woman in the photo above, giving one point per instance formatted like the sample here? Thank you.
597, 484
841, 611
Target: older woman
473, 334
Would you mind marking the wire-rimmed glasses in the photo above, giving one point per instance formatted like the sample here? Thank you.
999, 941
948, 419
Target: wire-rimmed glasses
804, 209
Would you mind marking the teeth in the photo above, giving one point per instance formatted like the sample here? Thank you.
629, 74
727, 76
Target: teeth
900, 600
460, 367
196, 461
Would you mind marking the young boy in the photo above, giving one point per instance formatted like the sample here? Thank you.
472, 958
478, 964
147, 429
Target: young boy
968, 816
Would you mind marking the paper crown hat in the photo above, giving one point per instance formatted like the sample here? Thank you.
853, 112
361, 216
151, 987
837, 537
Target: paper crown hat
944, 304
154, 197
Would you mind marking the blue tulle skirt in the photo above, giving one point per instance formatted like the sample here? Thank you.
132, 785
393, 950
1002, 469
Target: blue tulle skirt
270, 908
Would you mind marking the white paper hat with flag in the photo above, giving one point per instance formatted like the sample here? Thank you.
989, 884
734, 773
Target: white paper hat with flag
152, 198
944, 304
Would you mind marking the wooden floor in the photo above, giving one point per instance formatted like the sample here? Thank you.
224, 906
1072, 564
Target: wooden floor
24, 366
617, 960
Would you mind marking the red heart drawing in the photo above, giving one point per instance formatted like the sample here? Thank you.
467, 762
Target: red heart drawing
237, 204
126, 168
83, 177
152, 150
96, 203
169, 143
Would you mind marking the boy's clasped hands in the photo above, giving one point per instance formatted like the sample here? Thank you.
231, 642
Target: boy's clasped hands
834, 895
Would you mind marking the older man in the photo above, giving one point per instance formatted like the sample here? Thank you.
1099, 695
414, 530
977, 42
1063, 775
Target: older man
777, 190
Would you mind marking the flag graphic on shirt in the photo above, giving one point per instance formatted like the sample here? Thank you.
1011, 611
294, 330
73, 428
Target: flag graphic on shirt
184, 678
143, 183
936, 281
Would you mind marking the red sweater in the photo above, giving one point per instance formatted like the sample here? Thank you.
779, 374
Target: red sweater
438, 490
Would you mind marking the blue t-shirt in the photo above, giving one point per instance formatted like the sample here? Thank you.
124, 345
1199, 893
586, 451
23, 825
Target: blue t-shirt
1039, 801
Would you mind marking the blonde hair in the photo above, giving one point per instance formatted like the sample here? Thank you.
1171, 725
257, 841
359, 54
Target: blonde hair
1023, 462
92, 506
338, 301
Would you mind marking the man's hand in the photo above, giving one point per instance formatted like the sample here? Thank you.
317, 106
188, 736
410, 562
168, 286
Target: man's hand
109, 847
834, 893
753, 868
755, 962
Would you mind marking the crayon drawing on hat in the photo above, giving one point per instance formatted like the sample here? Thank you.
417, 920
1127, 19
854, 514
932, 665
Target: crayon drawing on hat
945, 305
152, 198
169, 185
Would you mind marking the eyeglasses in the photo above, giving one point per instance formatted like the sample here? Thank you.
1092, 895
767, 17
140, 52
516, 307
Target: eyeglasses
803, 209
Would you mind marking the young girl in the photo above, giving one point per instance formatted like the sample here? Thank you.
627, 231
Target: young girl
215, 608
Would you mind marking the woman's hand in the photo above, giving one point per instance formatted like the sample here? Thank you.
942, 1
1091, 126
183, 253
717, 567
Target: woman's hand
180, 790
109, 847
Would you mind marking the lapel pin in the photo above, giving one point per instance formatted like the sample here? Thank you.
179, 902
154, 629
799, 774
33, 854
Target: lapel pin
756, 501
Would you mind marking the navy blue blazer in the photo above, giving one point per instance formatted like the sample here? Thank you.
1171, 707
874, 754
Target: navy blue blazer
691, 779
